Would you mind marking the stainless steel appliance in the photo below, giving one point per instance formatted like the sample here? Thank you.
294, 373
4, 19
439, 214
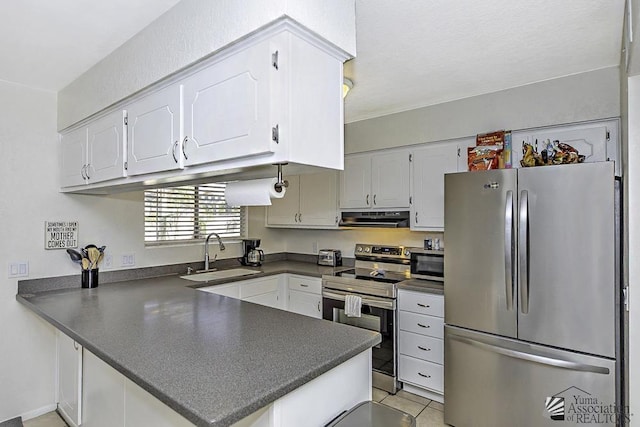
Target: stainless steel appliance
252, 256
427, 264
330, 257
379, 219
378, 269
532, 296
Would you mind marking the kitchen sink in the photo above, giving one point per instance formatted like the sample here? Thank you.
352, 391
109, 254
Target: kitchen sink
222, 274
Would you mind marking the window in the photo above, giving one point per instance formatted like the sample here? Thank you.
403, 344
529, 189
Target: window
188, 213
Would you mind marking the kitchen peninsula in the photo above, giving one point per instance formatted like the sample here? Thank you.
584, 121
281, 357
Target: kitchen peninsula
212, 359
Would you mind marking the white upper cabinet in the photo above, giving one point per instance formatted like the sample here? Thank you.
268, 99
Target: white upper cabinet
154, 132
376, 180
429, 165
106, 147
597, 141
311, 201
94, 153
226, 108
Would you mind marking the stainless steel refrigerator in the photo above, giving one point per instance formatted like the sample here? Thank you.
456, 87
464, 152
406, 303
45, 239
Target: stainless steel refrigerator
532, 296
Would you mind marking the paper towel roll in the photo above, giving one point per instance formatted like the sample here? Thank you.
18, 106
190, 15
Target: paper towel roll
256, 192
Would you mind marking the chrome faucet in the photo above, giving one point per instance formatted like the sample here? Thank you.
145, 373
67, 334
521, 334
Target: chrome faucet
206, 250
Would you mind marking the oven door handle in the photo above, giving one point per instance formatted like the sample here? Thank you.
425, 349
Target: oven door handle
387, 305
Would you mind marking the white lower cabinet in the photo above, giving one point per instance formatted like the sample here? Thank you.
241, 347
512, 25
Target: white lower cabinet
305, 295
292, 292
69, 371
421, 346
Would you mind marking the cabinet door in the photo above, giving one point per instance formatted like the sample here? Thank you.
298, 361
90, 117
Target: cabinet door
270, 299
154, 132
285, 211
143, 409
231, 290
73, 157
103, 395
355, 182
319, 199
429, 165
305, 303
390, 180
69, 379
226, 108
106, 146
592, 140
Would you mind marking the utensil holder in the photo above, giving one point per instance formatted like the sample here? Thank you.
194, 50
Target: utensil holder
90, 278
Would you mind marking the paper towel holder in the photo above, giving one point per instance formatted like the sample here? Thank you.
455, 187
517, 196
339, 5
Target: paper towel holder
281, 183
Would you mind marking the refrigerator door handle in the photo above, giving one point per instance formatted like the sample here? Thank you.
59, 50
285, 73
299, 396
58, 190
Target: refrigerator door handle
508, 248
523, 250
535, 358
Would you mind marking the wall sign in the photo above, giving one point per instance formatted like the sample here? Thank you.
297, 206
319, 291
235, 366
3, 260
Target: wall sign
60, 234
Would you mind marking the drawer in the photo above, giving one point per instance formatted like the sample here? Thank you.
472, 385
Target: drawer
421, 373
420, 302
258, 286
422, 347
421, 324
305, 284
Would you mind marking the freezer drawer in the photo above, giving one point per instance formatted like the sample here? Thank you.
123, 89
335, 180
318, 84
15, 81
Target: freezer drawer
493, 381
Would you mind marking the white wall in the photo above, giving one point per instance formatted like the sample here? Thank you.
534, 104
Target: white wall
185, 34
29, 184
580, 97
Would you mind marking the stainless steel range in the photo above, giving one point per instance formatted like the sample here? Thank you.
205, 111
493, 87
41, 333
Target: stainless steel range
378, 269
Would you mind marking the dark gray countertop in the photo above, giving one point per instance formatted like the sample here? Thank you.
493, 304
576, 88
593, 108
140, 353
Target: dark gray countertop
211, 358
420, 285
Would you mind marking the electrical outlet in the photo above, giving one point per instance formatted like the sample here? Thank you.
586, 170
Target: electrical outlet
108, 261
128, 260
19, 269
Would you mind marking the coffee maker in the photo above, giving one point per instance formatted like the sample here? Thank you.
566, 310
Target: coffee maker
252, 256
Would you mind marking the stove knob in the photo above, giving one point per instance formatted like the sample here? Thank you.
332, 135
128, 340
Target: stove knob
407, 252
367, 249
358, 248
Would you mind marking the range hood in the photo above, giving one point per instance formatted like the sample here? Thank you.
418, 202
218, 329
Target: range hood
384, 219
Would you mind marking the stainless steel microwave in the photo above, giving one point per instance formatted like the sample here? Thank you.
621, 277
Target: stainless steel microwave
427, 264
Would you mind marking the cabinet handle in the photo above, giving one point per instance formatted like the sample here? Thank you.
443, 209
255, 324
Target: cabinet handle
184, 144
424, 326
87, 171
75, 345
416, 217
295, 218
424, 375
374, 199
299, 217
82, 172
173, 151
319, 310
303, 285
367, 200
424, 348
424, 305
336, 219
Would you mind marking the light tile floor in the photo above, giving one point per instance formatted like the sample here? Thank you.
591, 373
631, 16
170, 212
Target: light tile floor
428, 413
50, 419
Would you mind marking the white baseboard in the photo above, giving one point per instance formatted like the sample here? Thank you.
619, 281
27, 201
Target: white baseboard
423, 392
37, 412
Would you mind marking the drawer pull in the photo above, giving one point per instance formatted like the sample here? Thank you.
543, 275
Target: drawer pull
424, 326
303, 285
424, 375
424, 305
424, 348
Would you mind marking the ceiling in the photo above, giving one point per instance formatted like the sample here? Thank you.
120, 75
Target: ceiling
411, 53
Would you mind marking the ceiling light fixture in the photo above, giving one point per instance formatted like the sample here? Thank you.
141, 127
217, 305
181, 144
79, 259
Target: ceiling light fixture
347, 85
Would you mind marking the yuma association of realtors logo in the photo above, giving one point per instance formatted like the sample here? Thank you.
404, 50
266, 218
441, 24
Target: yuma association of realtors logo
580, 407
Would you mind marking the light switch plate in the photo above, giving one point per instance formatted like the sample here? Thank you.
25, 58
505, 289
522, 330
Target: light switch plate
128, 260
18, 269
